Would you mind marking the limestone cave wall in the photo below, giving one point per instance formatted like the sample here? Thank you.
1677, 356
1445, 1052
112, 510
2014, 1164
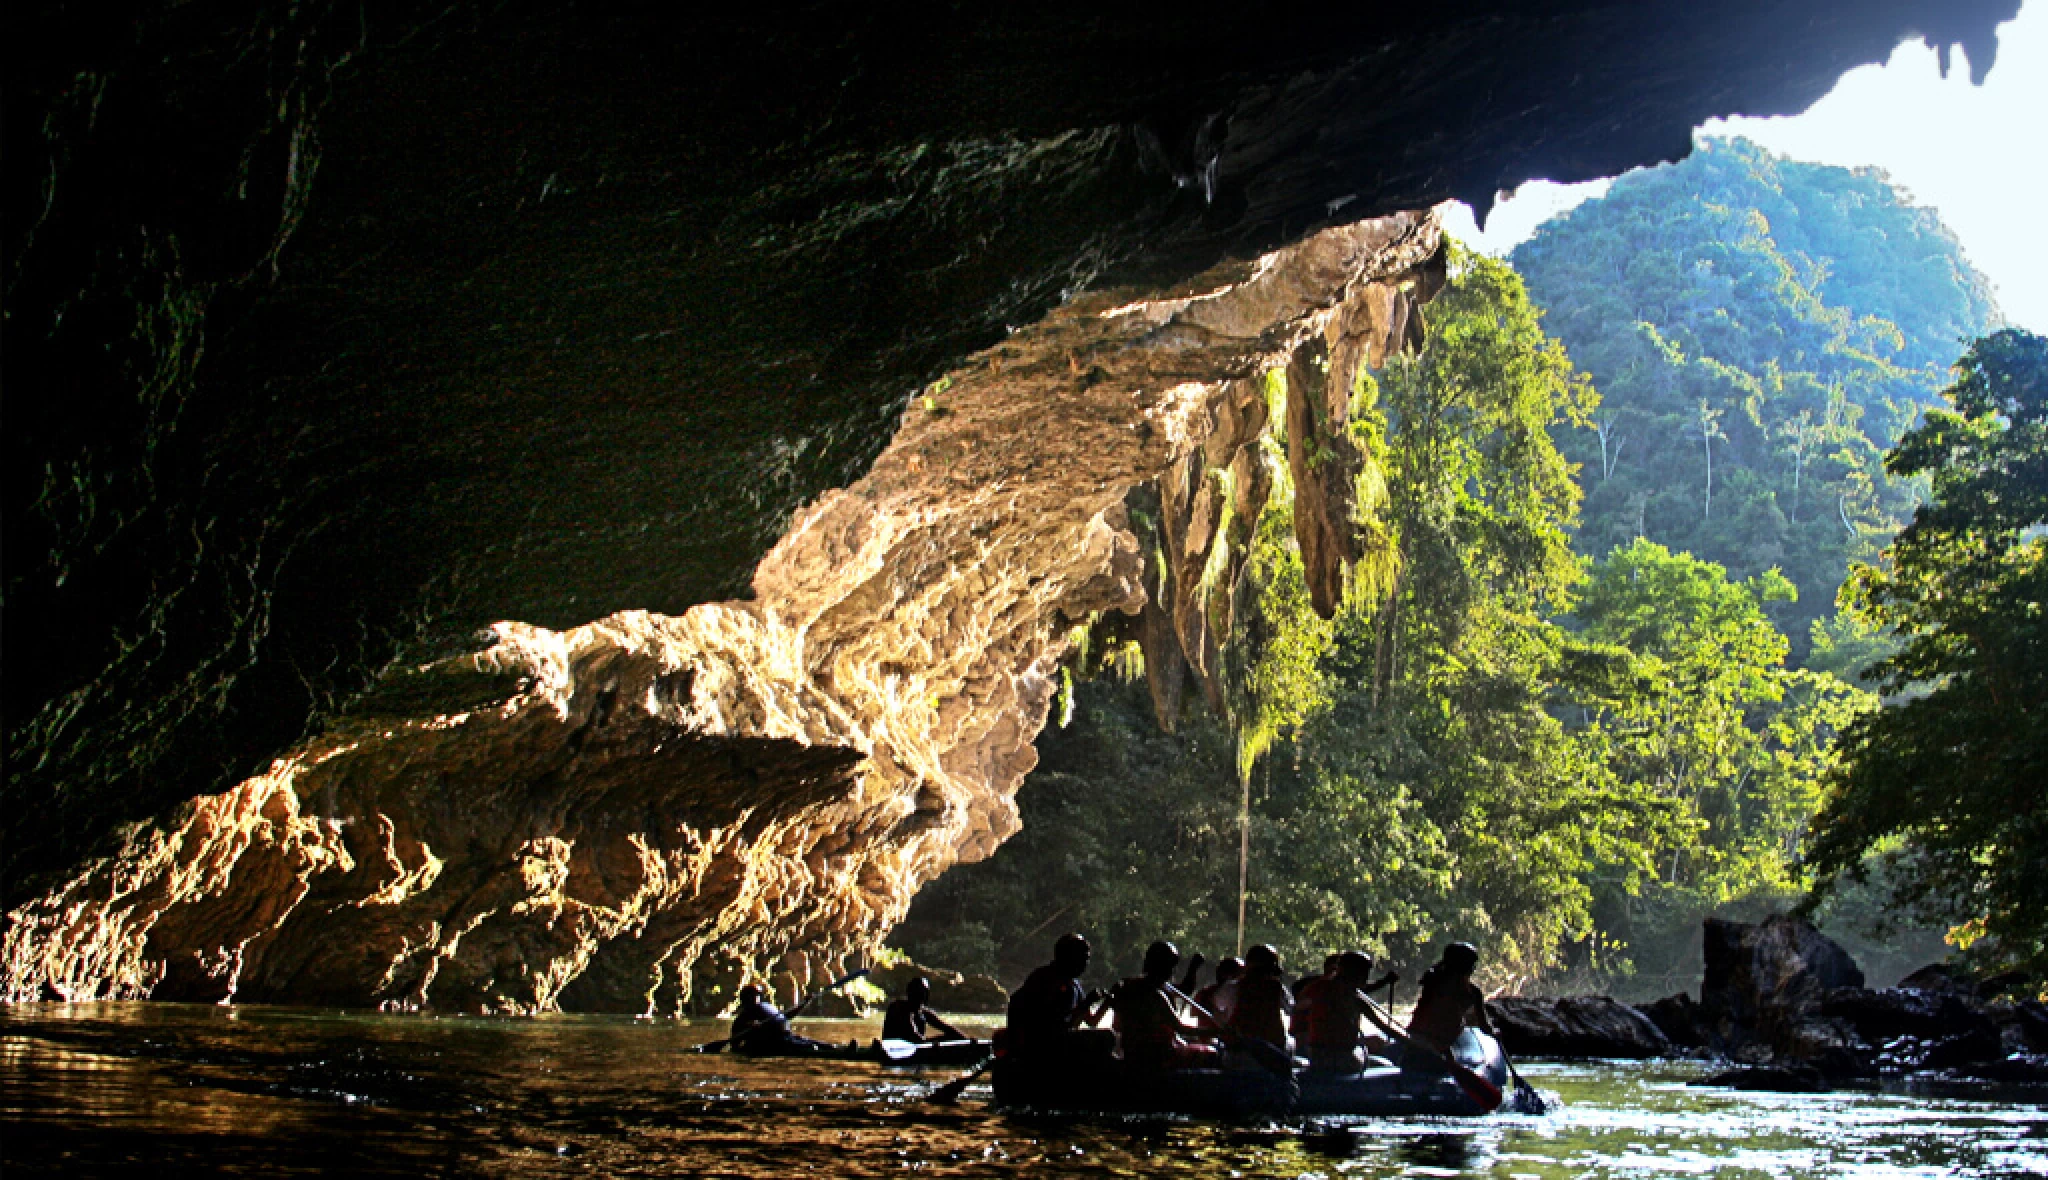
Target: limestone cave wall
625, 815
358, 357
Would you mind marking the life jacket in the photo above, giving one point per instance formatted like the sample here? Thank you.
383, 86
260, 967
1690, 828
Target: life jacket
1311, 1011
1045, 1003
1261, 1009
1146, 1027
1441, 1012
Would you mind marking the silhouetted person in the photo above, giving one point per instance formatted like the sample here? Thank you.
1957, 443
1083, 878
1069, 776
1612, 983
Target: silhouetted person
1263, 1000
1328, 1014
1046, 1009
1450, 1001
908, 1018
1329, 969
762, 1029
1149, 1027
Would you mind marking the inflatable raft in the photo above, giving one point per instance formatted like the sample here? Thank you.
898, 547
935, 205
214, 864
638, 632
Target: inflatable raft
1241, 1093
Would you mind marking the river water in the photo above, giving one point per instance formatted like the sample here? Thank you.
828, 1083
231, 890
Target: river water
95, 1089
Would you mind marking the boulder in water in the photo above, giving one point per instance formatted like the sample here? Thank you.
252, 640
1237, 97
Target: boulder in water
1938, 979
1678, 1018
1576, 1026
1765, 986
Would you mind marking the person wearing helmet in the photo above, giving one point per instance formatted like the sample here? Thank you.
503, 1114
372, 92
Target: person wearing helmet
1450, 1000
1263, 1000
1150, 1030
908, 1019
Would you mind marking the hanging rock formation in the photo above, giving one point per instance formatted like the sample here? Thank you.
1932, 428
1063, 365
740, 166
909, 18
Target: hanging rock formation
601, 817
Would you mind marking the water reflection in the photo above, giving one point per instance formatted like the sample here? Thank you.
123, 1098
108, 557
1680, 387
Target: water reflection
121, 1088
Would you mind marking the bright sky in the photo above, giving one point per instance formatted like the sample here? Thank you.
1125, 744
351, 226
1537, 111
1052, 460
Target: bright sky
1977, 154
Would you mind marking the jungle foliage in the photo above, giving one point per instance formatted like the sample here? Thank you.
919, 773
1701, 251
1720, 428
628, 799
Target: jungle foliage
1568, 725
1563, 760
1947, 786
1761, 331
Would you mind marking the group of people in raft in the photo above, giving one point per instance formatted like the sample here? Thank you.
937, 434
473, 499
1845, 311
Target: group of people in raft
1246, 1016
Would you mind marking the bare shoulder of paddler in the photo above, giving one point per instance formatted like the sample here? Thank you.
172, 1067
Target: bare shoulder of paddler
1216, 997
907, 1018
1449, 998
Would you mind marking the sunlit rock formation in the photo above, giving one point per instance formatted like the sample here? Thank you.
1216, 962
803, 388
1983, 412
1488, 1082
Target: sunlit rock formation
611, 815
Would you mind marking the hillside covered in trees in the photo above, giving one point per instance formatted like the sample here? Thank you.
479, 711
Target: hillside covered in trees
1593, 688
1761, 332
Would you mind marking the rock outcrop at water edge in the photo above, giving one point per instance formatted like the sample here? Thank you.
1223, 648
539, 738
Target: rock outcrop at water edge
1576, 1027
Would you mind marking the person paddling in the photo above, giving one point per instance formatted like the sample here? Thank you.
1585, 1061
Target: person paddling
1263, 1000
761, 1029
1329, 1015
1220, 995
908, 1019
1149, 1028
1450, 1001
1047, 1008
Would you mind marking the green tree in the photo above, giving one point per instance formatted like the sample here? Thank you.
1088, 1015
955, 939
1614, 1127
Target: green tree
1711, 724
1959, 772
1760, 331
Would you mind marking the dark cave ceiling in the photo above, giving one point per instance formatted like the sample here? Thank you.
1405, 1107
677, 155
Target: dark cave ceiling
334, 331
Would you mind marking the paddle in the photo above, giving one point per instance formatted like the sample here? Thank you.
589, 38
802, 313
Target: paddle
785, 1017
1528, 1099
1483, 1093
896, 1050
1270, 1055
949, 1093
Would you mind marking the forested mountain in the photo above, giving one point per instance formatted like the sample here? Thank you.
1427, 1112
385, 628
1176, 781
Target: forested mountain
1761, 331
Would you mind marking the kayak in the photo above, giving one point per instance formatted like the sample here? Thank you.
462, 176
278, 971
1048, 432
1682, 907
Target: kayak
907, 1054
1241, 1093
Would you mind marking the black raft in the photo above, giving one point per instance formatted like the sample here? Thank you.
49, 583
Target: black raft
1108, 1087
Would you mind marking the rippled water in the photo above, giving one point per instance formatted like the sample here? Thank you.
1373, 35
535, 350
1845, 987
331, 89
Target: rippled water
91, 1089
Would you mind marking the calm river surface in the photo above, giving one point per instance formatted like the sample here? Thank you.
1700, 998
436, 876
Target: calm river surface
93, 1089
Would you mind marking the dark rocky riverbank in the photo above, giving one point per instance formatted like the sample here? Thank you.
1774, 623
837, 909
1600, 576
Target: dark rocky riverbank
1787, 1009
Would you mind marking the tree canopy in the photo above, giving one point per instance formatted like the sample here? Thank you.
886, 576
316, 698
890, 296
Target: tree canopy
1761, 330
1951, 781
1570, 737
